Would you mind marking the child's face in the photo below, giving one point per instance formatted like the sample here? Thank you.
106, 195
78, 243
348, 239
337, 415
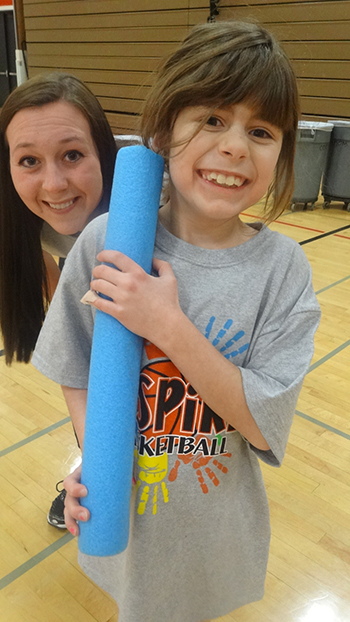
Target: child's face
227, 167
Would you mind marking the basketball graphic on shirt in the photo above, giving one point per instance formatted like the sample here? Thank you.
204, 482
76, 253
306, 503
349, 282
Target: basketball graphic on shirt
174, 420
170, 406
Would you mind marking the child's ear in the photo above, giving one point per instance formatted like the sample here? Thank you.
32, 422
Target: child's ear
156, 143
159, 143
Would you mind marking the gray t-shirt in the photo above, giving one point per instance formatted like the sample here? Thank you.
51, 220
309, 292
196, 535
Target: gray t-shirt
201, 550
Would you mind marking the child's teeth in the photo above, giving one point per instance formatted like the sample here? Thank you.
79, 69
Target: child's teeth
221, 179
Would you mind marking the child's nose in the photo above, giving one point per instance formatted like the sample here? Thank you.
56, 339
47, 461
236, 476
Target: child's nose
234, 143
54, 180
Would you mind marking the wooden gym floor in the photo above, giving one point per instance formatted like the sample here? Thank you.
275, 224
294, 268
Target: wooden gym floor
309, 568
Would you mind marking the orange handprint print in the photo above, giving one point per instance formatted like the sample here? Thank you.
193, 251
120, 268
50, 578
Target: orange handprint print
198, 464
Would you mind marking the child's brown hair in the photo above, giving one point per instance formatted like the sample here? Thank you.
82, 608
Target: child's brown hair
220, 64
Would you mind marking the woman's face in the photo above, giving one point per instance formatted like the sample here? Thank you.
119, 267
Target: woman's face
54, 164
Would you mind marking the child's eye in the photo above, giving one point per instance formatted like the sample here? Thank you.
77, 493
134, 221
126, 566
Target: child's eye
213, 121
73, 155
259, 132
28, 161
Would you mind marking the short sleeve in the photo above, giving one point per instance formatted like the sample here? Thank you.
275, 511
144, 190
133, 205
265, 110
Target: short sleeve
280, 356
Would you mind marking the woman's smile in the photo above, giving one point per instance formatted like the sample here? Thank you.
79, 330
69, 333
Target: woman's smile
62, 206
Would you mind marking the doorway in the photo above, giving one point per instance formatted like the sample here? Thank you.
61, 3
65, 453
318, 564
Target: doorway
8, 78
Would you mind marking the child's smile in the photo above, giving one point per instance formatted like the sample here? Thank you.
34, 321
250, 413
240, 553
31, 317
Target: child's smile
227, 166
221, 179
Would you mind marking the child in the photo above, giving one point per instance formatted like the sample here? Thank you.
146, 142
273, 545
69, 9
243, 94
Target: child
228, 319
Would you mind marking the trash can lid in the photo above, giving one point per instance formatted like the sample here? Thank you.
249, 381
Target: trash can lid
316, 125
339, 122
127, 137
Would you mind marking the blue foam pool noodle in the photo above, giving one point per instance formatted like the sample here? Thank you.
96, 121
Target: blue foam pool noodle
116, 360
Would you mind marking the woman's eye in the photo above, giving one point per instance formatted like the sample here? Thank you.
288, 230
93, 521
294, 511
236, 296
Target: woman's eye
73, 156
261, 133
28, 161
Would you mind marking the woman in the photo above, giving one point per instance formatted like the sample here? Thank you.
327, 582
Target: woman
57, 155
30, 147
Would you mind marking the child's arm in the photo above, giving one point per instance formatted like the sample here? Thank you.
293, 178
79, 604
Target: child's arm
149, 306
73, 511
217, 380
76, 402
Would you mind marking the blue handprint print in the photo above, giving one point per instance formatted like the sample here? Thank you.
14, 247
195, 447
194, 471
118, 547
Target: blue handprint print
228, 344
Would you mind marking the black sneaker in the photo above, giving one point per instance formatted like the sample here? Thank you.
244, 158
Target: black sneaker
55, 516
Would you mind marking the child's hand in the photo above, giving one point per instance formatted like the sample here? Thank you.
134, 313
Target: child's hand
146, 305
73, 511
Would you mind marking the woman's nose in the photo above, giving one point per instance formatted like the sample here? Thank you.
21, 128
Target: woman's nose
54, 180
234, 143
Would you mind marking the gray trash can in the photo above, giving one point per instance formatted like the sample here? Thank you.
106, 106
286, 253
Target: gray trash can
336, 179
310, 159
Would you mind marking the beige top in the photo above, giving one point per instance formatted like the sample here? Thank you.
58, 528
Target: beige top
56, 243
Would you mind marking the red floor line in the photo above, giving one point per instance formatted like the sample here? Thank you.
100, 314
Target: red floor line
345, 237
290, 224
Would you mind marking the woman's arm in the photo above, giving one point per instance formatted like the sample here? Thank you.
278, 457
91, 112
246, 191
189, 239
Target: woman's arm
52, 273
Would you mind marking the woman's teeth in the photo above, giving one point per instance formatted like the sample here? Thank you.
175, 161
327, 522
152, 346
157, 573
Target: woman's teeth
224, 180
61, 205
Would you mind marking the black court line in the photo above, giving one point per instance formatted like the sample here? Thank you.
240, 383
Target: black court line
35, 560
330, 355
2, 352
52, 548
33, 437
320, 291
323, 425
324, 235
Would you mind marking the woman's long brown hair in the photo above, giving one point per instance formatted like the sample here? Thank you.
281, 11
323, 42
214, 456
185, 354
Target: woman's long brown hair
23, 282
